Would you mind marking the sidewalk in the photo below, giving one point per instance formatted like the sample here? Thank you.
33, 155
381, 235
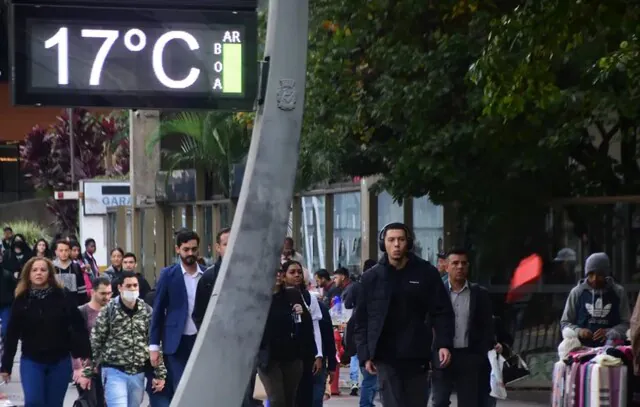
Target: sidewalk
14, 391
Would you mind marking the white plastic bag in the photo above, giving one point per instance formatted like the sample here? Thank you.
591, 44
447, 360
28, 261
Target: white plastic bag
498, 390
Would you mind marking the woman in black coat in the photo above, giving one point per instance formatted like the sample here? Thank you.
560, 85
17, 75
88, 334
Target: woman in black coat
51, 328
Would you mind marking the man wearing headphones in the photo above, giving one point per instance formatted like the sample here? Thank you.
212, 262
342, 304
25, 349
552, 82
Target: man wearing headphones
393, 338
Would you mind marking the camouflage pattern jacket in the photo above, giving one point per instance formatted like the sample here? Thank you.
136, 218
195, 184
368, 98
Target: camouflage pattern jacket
118, 339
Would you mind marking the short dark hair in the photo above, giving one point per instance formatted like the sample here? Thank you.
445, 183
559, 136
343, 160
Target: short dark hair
341, 271
397, 226
73, 244
117, 249
221, 232
323, 273
89, 241
98, 281
126, 274
369, 263
185, 236
289, 239
7, 229
129, 254
63, 242
458, 251
289, 263
442, 255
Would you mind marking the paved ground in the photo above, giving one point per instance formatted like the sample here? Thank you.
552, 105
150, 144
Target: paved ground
14, 391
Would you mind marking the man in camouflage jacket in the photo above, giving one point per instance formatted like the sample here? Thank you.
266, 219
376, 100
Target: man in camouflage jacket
120, 345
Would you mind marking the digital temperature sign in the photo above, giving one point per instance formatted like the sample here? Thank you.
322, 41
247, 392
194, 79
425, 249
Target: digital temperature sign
135, 58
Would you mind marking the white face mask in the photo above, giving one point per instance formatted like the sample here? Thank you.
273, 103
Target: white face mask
130, 296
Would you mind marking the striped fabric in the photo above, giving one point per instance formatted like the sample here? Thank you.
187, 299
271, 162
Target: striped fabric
599, 392
559, 383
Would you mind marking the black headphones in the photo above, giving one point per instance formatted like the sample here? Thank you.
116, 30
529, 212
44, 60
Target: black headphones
395, 225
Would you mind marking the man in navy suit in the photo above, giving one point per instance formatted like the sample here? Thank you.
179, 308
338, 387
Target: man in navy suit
171, 321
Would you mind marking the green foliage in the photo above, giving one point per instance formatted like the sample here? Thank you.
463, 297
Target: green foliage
498, 106
210, 142
31, 231
100, 149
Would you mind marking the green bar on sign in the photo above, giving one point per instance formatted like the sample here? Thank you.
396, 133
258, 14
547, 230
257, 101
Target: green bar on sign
231, 68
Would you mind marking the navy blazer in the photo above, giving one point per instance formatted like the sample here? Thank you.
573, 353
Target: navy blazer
170, 309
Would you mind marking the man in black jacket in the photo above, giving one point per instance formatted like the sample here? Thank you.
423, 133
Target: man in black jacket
473, 338
392, 335
208, 279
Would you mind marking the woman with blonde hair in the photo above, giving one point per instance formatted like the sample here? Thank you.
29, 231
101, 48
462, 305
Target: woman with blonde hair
45, 318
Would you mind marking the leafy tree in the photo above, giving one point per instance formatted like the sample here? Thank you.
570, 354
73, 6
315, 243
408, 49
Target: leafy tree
492, 105
46, 158
210, 142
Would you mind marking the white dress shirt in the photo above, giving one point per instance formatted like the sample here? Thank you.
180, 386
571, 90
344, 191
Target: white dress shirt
191, 283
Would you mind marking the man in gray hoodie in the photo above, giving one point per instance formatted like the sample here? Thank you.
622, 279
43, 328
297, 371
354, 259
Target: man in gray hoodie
597, 308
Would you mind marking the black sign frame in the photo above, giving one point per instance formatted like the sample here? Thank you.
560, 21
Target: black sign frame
19, 48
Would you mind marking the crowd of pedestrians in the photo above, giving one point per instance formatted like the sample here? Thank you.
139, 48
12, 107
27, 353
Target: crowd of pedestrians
417, 331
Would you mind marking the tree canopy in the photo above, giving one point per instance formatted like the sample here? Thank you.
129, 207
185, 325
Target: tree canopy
463, 100
499, 106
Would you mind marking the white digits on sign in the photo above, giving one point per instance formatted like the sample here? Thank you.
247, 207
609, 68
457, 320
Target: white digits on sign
217, 48
61, 39
110, 37
158, 51
217, 66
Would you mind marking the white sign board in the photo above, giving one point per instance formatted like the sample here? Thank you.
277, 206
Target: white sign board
98, 196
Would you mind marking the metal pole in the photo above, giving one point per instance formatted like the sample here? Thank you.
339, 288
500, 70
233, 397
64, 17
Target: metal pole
224, 354
72, 148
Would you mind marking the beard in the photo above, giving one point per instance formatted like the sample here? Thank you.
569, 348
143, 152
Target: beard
189, 260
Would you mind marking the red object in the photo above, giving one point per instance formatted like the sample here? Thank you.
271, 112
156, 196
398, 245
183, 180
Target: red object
335, 384
528, 271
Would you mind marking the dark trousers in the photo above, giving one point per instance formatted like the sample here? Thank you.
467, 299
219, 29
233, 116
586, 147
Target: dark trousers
281, 380
161, 398
319, 386
405, 385
461, 376
305, 388
45, 384
178, 361
95, 395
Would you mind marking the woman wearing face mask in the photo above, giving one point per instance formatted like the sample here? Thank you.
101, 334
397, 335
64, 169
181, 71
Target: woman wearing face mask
44, 318
17, 256
41, 249
14, 259
291, 338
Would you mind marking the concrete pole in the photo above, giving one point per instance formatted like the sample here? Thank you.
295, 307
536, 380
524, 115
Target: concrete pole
223, 358
144, 163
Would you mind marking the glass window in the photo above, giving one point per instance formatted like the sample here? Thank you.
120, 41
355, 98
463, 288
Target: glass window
346, 231
313, 232
388, 211
428, 227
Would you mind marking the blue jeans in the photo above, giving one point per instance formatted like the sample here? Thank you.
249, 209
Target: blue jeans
45, 384
354, 371
121, 389
319, 384
368, 389
5, 313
